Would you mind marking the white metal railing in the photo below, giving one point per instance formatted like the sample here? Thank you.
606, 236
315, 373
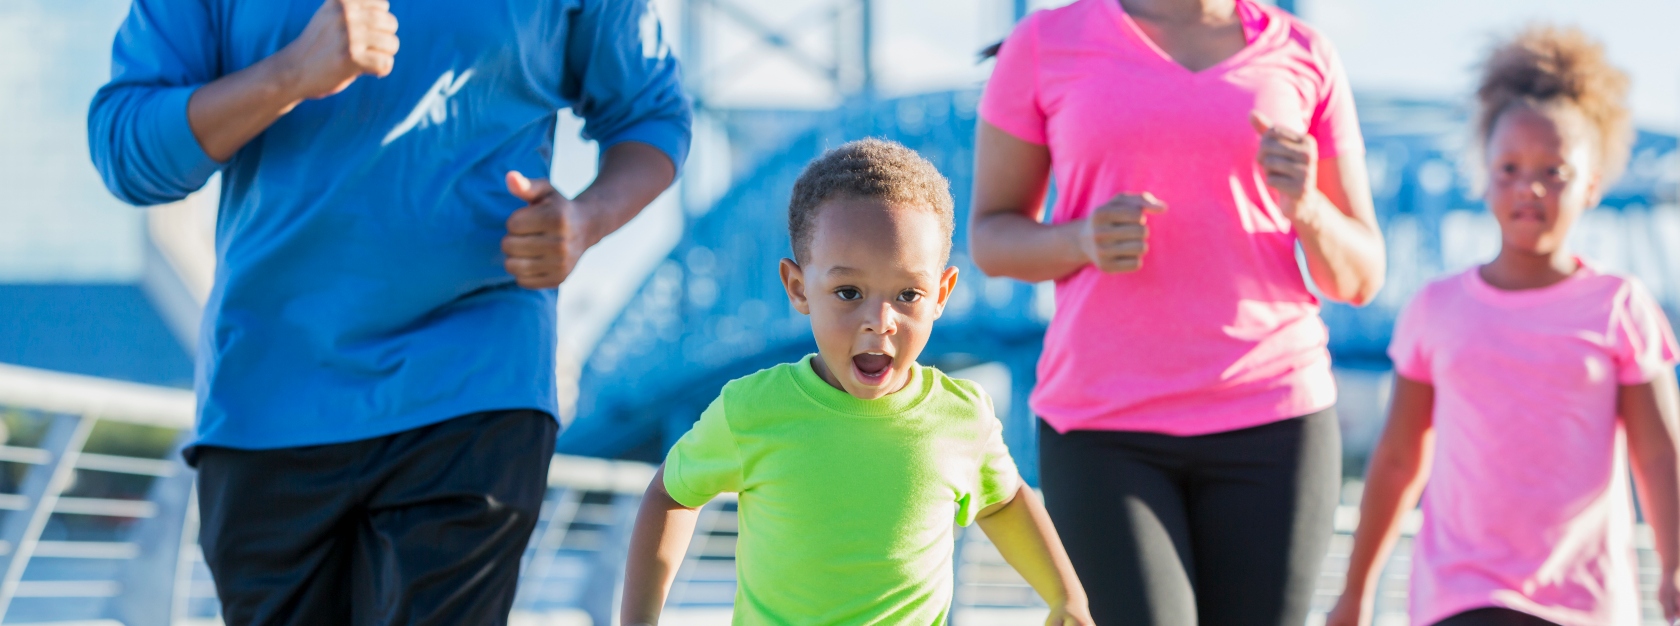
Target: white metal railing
69, 406
100, 398
160, 578
570, 573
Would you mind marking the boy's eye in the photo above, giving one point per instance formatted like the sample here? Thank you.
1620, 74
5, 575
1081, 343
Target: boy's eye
848, 293
909, 295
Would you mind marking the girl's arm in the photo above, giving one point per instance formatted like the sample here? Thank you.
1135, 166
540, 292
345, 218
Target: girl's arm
1023, 534
1651, 413
657, 546
1399, 467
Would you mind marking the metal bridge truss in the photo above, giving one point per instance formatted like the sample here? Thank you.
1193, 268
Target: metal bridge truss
714, 310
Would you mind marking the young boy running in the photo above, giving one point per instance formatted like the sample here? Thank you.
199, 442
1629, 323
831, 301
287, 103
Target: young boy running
853, 463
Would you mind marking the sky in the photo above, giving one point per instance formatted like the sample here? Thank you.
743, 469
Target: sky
58, 224
56, 220
1421, 47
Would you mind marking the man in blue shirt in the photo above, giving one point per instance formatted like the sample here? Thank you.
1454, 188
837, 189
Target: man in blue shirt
376, 363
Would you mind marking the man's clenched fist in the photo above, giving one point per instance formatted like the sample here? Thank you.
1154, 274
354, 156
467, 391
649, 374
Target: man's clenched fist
343, 41
546, 237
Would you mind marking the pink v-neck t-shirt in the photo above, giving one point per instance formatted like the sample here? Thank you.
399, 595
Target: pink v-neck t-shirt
1217, 331
1527, 506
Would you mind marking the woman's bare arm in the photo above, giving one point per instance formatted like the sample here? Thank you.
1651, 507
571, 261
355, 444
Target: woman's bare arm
1006, 234
1329, 203
1345, 252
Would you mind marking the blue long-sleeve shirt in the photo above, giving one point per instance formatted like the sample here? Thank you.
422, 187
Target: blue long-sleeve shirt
360, 288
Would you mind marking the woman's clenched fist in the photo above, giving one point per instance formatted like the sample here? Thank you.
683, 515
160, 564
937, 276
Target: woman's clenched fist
1115, 235
1289, 160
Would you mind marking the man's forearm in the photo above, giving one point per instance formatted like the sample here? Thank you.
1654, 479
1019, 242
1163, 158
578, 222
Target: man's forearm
345, 39
632, 175
229, 112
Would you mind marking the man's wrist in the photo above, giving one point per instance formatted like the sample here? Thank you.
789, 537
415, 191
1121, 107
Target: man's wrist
282, 77
591, 218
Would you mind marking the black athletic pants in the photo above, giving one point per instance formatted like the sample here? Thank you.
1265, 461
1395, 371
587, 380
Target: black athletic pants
425, 526
1220, 530
1493, 616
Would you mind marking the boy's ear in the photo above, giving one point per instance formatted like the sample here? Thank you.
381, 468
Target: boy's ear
793, 280
947, 284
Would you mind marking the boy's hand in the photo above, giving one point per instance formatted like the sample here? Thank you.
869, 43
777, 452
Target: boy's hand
1290, 162
546, 238
345, 40
1115, 236
1068, 615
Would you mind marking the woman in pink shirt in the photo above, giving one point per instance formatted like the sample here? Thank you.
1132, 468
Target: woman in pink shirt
1522, 386
1190, 454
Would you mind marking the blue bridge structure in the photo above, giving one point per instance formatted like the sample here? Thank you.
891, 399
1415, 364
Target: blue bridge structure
714, 309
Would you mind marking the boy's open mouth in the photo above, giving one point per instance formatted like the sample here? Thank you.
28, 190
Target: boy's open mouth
872, 366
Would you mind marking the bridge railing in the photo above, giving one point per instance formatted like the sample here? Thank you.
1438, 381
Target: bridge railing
97, 533
82, 521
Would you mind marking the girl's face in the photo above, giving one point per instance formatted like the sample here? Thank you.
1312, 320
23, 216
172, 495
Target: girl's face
1542, 175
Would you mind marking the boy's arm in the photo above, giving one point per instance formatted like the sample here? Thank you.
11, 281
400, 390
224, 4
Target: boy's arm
1393, 482
1023, 534
657, 546
1650, 413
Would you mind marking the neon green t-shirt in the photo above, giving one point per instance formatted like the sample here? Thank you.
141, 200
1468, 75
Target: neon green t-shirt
846, 505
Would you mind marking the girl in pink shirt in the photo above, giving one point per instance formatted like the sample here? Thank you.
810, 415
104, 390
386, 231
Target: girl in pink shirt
1523, 386
1190, 457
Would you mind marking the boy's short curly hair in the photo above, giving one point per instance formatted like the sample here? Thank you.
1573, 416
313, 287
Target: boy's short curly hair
1545, 66
869, 169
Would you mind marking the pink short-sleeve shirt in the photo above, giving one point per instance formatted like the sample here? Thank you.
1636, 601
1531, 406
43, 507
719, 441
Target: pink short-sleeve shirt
1527, 505
1217, 331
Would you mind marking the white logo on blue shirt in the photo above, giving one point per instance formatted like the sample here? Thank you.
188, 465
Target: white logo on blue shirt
653, 46
433, 108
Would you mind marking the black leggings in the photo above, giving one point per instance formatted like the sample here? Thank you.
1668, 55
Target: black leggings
1221, 530
1493, 616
